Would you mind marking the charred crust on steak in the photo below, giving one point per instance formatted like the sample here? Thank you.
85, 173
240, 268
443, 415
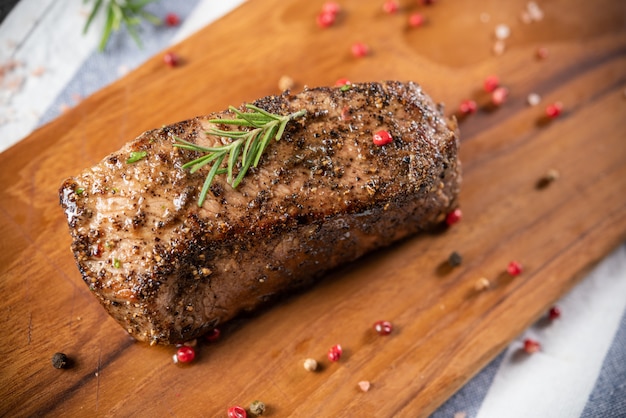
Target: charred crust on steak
172, 271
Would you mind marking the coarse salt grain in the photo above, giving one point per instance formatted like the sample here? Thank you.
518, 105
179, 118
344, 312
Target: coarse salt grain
482, 284
122, 70
38, 71
499, 47
534, 11
364, 385
533, 99
285, 83
552, 174
502, 31
310, 365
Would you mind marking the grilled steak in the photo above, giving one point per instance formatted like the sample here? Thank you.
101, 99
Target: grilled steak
168, 270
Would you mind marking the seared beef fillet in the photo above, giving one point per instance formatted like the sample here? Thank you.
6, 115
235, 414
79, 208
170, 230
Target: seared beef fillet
169, 271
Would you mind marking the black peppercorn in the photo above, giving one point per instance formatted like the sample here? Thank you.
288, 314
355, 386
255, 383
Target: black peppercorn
60, 361
455, 259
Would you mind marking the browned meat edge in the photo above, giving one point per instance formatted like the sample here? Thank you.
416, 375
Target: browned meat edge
169, 271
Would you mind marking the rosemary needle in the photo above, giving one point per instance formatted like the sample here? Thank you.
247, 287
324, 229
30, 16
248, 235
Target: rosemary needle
128, 12
247, 145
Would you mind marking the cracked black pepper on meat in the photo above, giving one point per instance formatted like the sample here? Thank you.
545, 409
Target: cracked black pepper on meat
169, 271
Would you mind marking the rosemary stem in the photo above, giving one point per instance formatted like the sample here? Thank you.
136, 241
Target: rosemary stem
246, 146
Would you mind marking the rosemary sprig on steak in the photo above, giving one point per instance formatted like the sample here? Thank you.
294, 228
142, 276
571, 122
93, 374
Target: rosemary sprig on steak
249, 144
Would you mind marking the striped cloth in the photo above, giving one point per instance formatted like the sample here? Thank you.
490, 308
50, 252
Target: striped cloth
581, 369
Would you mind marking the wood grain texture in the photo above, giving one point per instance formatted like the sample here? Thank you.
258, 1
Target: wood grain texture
445, 330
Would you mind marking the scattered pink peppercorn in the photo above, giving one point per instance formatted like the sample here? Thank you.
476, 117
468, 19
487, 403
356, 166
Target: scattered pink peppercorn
331, 7
554, 110
427, 2
383, 327
334, 353
491, 83
325, 19
171, 59
346, 113
514, 268
454, 217
554, 313
531, 346
213, 335
391, 6
342, 82
416, 20
97, 250
359, 49
499, 96
468, 106
237, 412
542, 53
381, 138
172, 19
185, 354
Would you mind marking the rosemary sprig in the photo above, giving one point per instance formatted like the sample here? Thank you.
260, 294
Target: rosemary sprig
128, 12
247, 145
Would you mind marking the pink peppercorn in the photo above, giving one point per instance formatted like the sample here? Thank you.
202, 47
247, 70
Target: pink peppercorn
342, 82
383, 327
390, 6
514, 268
334, 353
454, 217
416, 20
359, 49
554, 313
325, 19
491, 83
554, 110
237, 412
531, 346
468, 107
213, 335
172, 19
499, 96
170, 59
331, 7
542, 53
346, 113
185, 354
381, 138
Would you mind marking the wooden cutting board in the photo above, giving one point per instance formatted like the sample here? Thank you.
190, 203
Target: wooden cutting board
445, 330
